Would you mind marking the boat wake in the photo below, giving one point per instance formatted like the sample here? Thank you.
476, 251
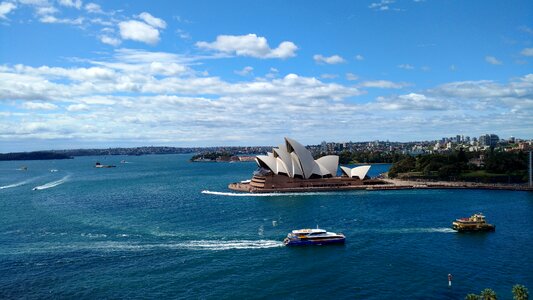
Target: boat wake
267, 194
419, 230
14, 184
52, 184
228, 245
109, 246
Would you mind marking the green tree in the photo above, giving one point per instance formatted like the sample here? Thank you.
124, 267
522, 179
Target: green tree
488, 294
472, 297
520, 292
405, 165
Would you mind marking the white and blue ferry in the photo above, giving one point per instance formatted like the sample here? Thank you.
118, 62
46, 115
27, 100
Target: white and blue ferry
304, 237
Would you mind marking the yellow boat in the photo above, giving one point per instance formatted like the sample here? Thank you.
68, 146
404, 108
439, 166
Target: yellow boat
476, 222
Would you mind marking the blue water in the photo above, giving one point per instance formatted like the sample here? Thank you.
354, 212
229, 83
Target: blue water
146, 230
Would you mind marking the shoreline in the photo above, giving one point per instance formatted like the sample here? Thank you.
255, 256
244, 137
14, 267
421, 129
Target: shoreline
390, 184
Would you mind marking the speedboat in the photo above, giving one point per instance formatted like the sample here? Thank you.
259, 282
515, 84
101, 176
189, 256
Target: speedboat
99, 165
304, 237
476, 222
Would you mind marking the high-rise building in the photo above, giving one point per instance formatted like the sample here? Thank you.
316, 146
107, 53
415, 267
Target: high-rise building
490, 140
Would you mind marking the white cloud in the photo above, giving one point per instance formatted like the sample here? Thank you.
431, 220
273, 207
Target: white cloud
93, 8
331, 60
406, 67
153, 21
359, 57
527, 52
110, 40
526, 29
53, 20
39, 106
183, 34
492, 60
249, 45
138, 31
6, 8
76, 74
78, 107
351, 77
412, 101
155, 97
382, 5
71, 3
46, 10
245, 71
383, 84
34, 2
329, 76
167, 68
273, 72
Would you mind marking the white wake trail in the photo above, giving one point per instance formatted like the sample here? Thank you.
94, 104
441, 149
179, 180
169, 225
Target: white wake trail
196, 245
419, 230
228, 245
52, 184
266, 194
14, 184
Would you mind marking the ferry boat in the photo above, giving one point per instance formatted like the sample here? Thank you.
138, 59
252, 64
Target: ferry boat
476, 222
304, 237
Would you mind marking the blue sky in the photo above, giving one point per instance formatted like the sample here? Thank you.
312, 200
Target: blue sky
75, 73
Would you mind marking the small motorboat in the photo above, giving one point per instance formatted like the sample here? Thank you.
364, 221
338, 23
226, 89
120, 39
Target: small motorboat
304, 237
476, 222
99, 165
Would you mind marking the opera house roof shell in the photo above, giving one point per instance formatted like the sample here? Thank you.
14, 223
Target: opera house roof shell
294, 160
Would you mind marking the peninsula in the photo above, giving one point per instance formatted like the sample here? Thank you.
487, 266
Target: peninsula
38, 155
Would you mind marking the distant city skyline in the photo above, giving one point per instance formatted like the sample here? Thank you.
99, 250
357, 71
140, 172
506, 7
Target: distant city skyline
98, 74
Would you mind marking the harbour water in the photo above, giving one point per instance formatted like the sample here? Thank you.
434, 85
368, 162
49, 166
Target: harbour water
160, 226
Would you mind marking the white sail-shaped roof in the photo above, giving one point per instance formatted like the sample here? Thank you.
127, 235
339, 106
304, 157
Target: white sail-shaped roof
280, 166
285, 156
304, 156
330, 162
319, 169
293, 159
360, 171
267, 161
346, 171
296, 169
356, 172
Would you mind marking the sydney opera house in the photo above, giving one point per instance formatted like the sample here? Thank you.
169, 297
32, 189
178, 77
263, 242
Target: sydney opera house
291, 167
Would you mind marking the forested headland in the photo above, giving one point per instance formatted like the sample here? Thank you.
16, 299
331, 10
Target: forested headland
489, 167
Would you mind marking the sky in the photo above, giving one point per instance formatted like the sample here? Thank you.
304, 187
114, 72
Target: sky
81, 74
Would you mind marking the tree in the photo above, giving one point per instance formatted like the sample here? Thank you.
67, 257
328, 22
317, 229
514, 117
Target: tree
472, 297
488, 294
520, 292
405, 165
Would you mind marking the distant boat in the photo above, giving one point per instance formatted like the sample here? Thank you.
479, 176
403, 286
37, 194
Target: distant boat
476, 222
53, 170
23, 168
304, 237
124, 162
99, 165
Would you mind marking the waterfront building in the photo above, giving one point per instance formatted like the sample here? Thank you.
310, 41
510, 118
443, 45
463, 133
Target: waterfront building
291, 167
292, 159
